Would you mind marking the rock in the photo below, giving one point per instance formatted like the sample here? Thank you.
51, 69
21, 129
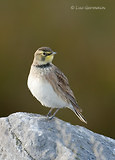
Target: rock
25, 136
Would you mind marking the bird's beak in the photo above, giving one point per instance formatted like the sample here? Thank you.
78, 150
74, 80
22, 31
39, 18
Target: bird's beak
54, 53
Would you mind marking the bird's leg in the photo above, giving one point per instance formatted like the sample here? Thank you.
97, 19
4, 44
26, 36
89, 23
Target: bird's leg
49, 113
53, 114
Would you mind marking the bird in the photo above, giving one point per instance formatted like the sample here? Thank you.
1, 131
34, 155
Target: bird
50, 86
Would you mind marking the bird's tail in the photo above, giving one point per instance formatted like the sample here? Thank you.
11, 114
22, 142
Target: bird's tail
78, 113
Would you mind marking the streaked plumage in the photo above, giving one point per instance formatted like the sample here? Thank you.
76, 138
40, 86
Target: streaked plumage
49, 85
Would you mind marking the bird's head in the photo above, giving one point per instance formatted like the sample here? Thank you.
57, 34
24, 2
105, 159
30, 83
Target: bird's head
43, 56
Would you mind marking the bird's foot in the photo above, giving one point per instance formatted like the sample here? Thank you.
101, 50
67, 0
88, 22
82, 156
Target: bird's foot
49, 116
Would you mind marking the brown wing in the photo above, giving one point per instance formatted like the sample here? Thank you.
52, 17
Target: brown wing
64, 86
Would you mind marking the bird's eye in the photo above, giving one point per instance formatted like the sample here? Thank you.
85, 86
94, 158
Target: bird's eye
44, 54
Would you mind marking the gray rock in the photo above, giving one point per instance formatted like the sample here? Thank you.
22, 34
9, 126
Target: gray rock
25, 136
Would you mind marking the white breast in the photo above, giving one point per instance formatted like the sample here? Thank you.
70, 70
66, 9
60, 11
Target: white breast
44, 93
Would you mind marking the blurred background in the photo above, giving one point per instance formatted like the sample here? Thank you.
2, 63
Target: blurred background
85, 43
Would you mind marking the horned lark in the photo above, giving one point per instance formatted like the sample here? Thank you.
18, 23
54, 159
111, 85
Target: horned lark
49, 85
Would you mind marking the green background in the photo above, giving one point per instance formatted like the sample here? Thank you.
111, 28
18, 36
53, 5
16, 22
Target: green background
85, 43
